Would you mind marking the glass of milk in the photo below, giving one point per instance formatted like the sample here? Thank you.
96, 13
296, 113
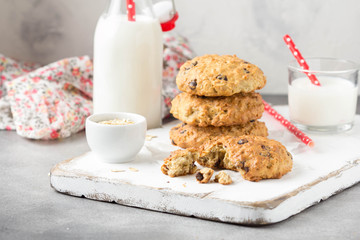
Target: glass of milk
128, 62
329, 108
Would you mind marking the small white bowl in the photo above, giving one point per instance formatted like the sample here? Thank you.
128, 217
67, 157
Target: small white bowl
115, 143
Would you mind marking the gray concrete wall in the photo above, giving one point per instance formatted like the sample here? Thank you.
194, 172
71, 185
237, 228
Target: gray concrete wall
47, 30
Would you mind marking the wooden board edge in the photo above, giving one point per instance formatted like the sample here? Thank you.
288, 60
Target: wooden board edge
262, 212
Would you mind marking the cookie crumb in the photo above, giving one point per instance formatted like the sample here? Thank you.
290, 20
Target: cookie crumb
184, 184
223, 178
133, 169
150, 137
179, 163
117, 170
204, 175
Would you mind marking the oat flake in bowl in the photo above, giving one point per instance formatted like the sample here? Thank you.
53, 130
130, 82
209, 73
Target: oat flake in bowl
117, 122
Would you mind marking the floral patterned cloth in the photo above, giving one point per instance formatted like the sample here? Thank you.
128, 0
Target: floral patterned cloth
10, 69
53, 101
176, 52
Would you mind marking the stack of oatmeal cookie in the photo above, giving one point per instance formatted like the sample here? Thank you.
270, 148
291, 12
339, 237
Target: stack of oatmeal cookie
220, 109
218, 99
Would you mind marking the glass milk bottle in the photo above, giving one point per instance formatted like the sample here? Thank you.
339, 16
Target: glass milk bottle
128, 61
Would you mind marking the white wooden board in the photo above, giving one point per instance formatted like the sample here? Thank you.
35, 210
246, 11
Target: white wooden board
331, 166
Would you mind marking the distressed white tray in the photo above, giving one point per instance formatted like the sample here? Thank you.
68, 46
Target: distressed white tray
331, 166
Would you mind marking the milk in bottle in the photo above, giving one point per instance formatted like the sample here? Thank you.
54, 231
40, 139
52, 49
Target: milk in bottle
128, 62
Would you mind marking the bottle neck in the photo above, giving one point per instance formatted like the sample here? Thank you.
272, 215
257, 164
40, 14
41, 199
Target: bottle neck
118, 7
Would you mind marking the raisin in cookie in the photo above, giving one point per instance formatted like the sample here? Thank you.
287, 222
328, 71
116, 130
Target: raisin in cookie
214, 75
204, 175
238, 109
186, 136
223, 178
254, 157
179, 163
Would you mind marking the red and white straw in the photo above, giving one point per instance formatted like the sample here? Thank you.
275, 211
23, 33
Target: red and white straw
290, 43
298, 133
130, 6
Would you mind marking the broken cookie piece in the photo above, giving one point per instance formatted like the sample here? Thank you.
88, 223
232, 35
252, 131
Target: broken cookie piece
204, 175
223, 178
180, 163
255, 157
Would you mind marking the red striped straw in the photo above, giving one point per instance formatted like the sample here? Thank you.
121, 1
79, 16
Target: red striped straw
130, 6
290, 43
299, 134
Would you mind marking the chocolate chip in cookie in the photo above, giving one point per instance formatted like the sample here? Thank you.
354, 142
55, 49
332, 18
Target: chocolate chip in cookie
204, 175
221, 77
265, 147
199, 176
193, 84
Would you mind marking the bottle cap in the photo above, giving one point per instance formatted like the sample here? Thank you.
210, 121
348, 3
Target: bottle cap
167, 15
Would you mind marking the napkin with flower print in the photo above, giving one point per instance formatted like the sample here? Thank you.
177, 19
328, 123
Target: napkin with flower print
49, 102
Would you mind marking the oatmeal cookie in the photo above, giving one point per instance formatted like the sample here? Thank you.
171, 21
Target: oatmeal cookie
214, 75
217, 111
204, 175
179, 163
254, 157
186, 136
223, 178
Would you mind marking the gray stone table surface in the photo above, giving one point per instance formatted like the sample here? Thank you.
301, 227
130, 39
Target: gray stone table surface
31, 209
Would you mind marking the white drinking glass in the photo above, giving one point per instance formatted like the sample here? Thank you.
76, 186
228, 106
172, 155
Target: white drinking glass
328, 108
